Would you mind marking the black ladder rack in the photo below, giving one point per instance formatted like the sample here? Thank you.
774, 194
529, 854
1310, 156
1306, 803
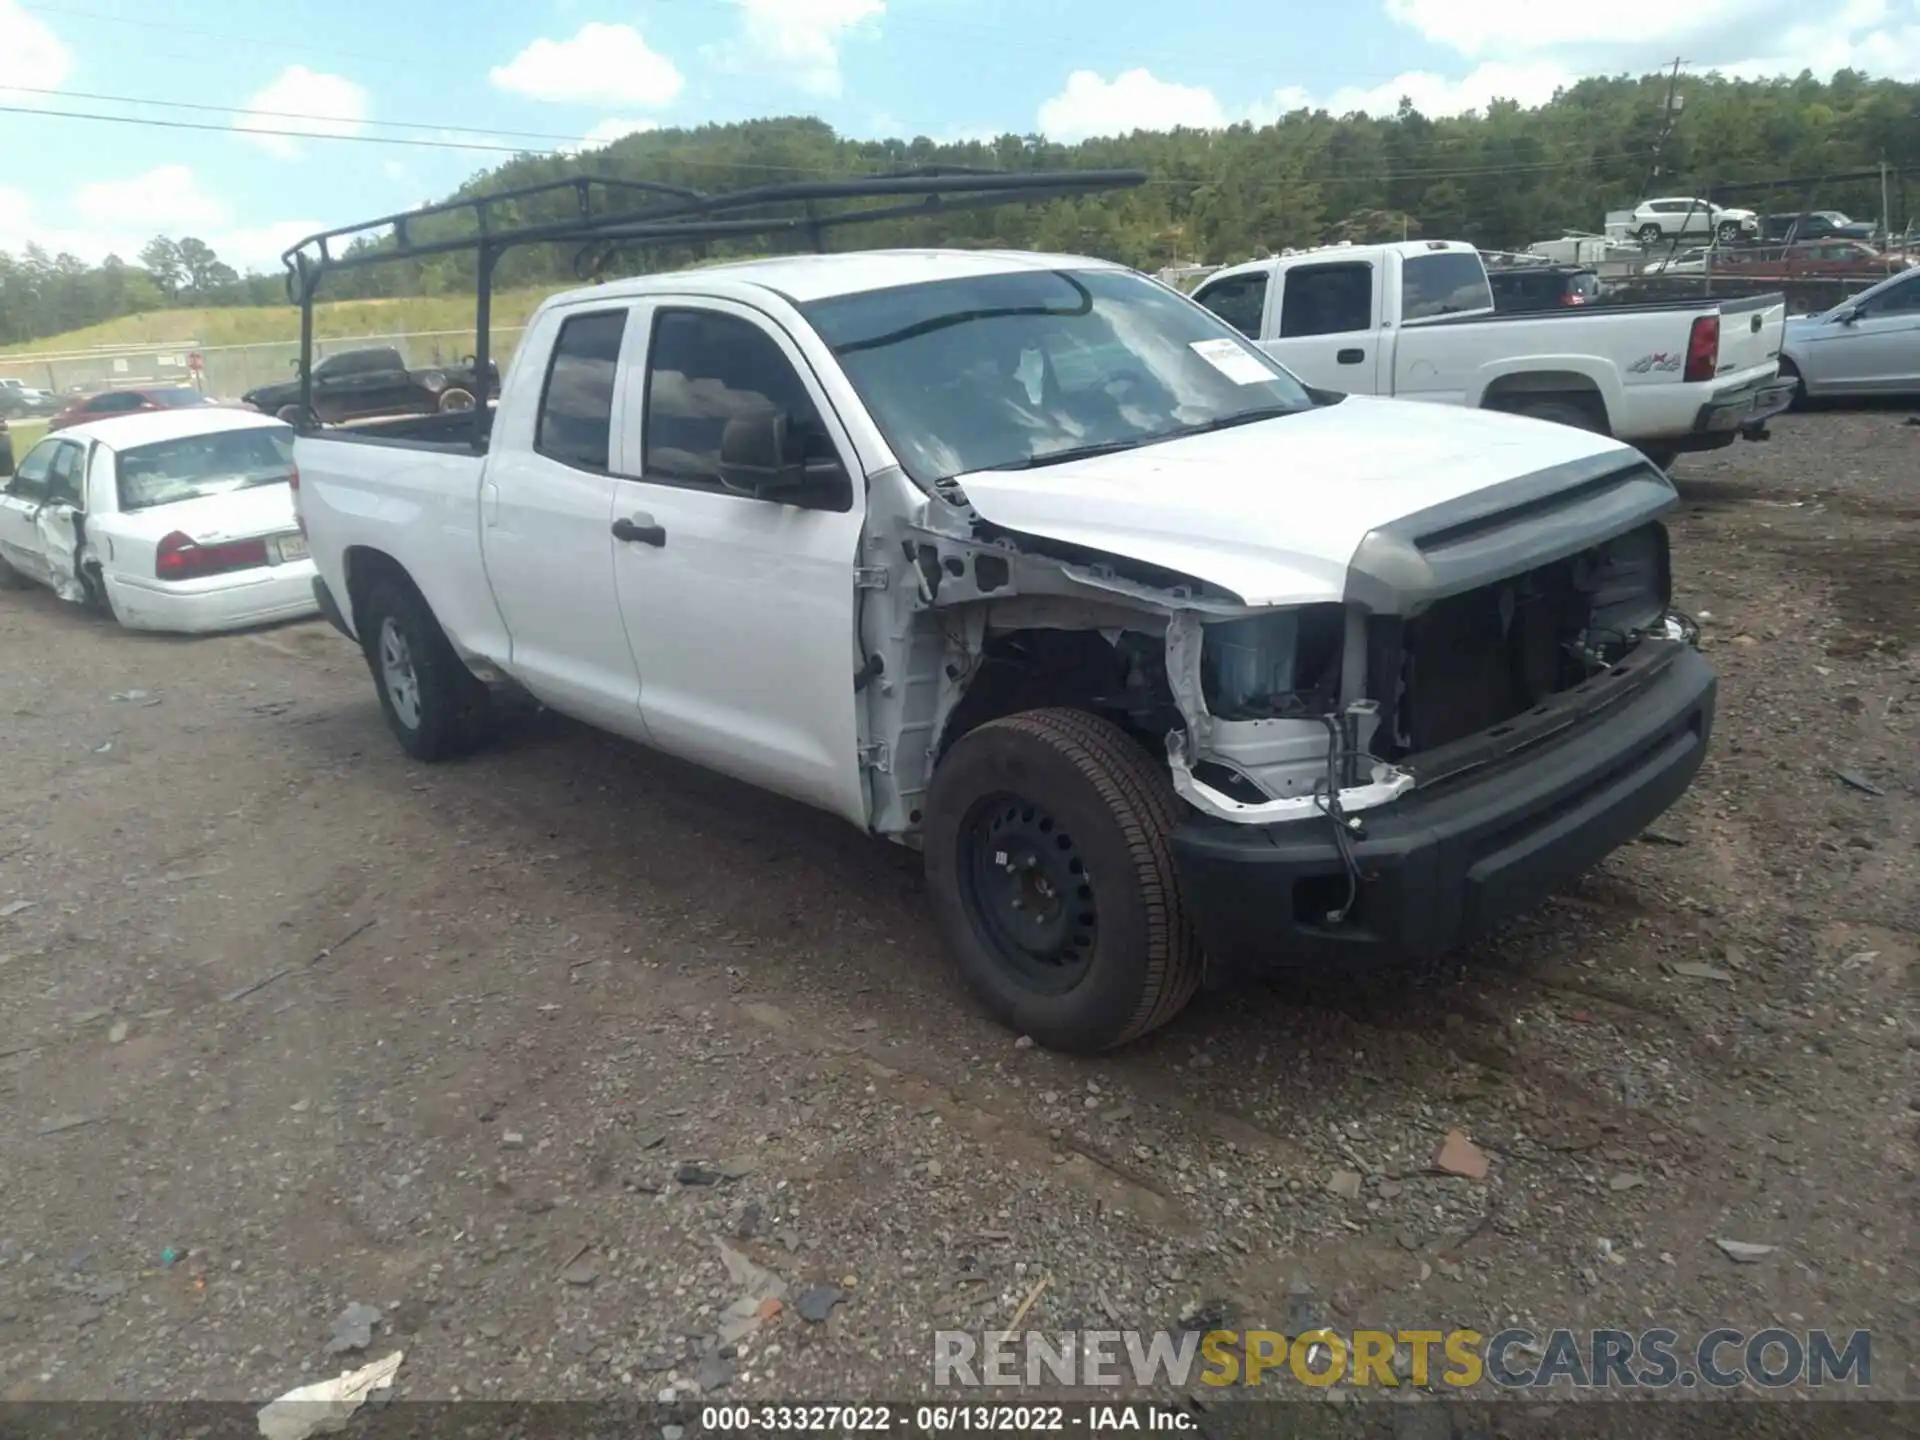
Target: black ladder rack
610, 217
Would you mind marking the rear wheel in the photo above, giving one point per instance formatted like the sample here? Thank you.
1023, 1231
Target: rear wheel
456, 399
1052, 878
434, 705
1561, 412
1791, 371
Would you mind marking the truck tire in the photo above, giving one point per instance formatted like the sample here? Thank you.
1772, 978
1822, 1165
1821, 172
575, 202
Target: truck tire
1561, 412
456, 398
1661, 455
1791, 371
1052, 879
435, 706
288, 413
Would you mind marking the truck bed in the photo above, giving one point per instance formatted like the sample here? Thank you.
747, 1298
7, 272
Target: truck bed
1725, 304
452, 432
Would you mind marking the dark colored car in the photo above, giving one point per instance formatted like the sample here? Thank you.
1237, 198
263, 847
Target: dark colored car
1542, 287
358, 384
109, 403
1813, 225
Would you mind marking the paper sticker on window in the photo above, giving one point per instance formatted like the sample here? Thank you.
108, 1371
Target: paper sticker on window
1230, 360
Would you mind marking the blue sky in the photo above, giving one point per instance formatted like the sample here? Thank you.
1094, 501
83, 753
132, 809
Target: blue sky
561, 71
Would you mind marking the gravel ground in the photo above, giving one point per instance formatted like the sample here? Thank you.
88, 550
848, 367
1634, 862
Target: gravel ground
543, 1054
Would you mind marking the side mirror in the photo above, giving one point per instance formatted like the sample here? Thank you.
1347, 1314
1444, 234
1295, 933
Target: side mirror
761, 456
1847, 314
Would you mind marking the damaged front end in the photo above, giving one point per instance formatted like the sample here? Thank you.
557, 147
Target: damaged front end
1457, 641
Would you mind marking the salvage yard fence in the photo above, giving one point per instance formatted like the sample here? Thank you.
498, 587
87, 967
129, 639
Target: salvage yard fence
226, 372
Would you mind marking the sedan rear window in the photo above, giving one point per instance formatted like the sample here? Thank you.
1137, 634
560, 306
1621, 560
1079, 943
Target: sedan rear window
195, 466
174, 399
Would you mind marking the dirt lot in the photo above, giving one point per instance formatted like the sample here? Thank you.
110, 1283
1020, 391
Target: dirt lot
289, 1023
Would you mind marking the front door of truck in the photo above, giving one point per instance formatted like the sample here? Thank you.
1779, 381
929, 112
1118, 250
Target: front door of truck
1327, 329
546, 501
739, 609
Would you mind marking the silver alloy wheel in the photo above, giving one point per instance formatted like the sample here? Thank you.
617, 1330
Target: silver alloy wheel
396, 672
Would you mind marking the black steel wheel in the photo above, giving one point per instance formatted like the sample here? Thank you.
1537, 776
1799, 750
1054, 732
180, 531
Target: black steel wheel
1051, 875
1025, 884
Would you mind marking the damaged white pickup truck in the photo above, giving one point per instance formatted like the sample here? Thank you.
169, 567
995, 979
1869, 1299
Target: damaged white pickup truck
1167, 662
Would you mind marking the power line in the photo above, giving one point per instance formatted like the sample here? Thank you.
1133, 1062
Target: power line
263, 130
288, 114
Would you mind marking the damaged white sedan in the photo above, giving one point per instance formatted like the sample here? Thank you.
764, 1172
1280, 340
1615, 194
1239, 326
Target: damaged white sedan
1169, 663
178, 520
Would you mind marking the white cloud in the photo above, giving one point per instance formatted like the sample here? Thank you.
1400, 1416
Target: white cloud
799, 40
307, 103
31, 53
1529, 84
118, 217
1134, 100
608, 131
609, 66
1749, 38
168, 199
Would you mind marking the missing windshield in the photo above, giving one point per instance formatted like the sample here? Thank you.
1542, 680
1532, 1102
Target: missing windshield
1012, 370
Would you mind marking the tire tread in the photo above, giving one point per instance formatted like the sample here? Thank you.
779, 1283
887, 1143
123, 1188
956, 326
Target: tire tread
1141, 800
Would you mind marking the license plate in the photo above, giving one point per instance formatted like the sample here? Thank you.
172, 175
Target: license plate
290, 547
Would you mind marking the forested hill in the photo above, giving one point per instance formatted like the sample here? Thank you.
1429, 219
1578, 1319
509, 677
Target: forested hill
1502, 178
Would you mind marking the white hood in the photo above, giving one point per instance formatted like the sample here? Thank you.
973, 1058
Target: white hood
1274, 511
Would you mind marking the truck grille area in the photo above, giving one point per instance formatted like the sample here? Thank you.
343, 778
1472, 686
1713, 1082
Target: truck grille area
1473, 661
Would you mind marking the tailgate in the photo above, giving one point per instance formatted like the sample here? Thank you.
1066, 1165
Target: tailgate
1750, 333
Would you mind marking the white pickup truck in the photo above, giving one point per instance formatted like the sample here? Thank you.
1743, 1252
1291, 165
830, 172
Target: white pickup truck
1165, 660
1416, 320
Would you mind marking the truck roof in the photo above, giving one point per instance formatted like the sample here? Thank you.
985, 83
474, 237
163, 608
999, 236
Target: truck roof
803, 278
1406, 248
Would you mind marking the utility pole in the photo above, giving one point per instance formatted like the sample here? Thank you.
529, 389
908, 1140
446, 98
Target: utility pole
1668, 116
1886, 210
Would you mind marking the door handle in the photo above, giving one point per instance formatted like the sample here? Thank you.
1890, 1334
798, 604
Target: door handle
1350, 357
640, 530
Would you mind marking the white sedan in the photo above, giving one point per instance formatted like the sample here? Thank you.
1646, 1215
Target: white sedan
177, 520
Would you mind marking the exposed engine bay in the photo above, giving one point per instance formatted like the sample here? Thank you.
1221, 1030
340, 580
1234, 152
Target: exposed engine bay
1263, 714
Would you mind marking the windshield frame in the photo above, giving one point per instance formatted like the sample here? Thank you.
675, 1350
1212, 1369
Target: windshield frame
280, 432
1281, 392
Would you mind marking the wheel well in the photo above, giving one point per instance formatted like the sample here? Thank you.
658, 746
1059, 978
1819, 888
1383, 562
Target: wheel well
364, 566
1122, 679
1568, 387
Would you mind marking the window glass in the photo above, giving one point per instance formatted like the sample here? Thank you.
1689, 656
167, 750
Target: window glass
120, 402
1240, 300
1900, 299
177, 398
195, 466
1442, 282
1035, 367
30, 475
705, 370
576, 413
1329, 299
63, 476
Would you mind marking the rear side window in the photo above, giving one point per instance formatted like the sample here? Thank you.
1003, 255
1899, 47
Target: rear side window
576, 412
1240, 300
1327, 299
1446, 282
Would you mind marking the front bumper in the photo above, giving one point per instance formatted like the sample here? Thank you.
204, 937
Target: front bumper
1740, 412
1450, 861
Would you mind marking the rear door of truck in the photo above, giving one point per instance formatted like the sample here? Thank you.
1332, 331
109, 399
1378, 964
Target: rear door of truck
547, 514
